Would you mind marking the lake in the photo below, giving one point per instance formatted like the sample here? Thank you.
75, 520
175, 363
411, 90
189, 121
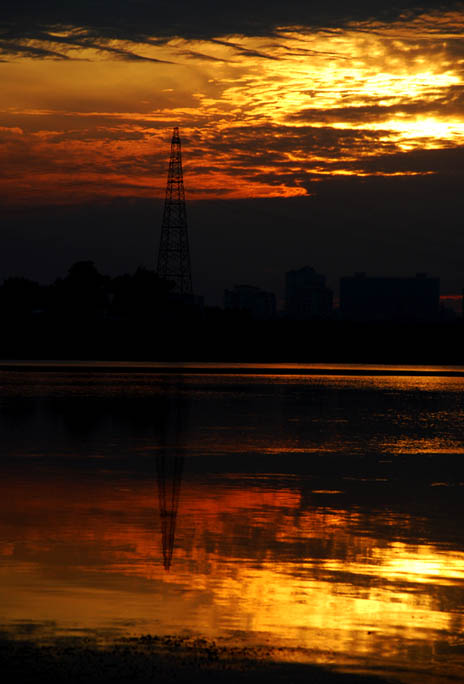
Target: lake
315, 509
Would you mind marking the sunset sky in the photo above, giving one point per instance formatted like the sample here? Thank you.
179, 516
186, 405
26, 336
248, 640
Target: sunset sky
322, 133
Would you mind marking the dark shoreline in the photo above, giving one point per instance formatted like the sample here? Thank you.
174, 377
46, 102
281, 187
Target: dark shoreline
160, 660
228, 339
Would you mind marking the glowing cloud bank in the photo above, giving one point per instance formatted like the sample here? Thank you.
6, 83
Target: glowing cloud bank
260, 116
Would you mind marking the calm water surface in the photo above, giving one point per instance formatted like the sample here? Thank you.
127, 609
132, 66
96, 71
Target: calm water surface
318, 512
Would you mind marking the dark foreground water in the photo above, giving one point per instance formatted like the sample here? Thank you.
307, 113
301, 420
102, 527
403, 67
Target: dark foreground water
284, 506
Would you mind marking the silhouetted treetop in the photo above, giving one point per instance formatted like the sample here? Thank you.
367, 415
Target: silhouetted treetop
82, 293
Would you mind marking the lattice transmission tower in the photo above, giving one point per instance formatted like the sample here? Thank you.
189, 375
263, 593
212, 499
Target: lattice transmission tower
174, 254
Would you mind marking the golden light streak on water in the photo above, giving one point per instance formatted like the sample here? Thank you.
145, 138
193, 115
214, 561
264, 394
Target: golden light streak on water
424, 564
339, 591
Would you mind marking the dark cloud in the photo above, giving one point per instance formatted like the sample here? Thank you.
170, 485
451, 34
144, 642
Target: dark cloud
75, 39
139, 20
378, 113
243, 50
15, 48
194, 54
297, 148
446, 162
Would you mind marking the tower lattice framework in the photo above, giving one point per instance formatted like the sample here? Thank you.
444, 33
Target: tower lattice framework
174, 254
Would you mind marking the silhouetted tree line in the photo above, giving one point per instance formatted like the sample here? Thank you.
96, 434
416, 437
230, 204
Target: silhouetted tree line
86, 294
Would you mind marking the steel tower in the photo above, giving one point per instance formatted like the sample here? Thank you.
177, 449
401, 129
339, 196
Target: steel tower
174, 255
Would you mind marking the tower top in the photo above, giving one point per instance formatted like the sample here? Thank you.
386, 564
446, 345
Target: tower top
174, 254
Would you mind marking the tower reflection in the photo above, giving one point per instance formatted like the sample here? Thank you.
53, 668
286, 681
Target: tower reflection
169, 475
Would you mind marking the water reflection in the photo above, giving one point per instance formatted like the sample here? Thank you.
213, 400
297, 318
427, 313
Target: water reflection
310, 514
263, 561
169, 475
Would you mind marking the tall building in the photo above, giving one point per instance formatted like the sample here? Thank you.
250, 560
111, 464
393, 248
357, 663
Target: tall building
260, 304
306, 294
374, 298
174, 254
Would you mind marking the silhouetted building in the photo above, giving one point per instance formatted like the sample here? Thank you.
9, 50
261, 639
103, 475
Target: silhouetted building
259, 303
373, 298
306, 294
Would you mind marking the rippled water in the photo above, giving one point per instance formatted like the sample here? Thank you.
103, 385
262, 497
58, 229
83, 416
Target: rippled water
286, 506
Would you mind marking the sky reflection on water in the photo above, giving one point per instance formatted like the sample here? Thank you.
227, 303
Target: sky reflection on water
318, 514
